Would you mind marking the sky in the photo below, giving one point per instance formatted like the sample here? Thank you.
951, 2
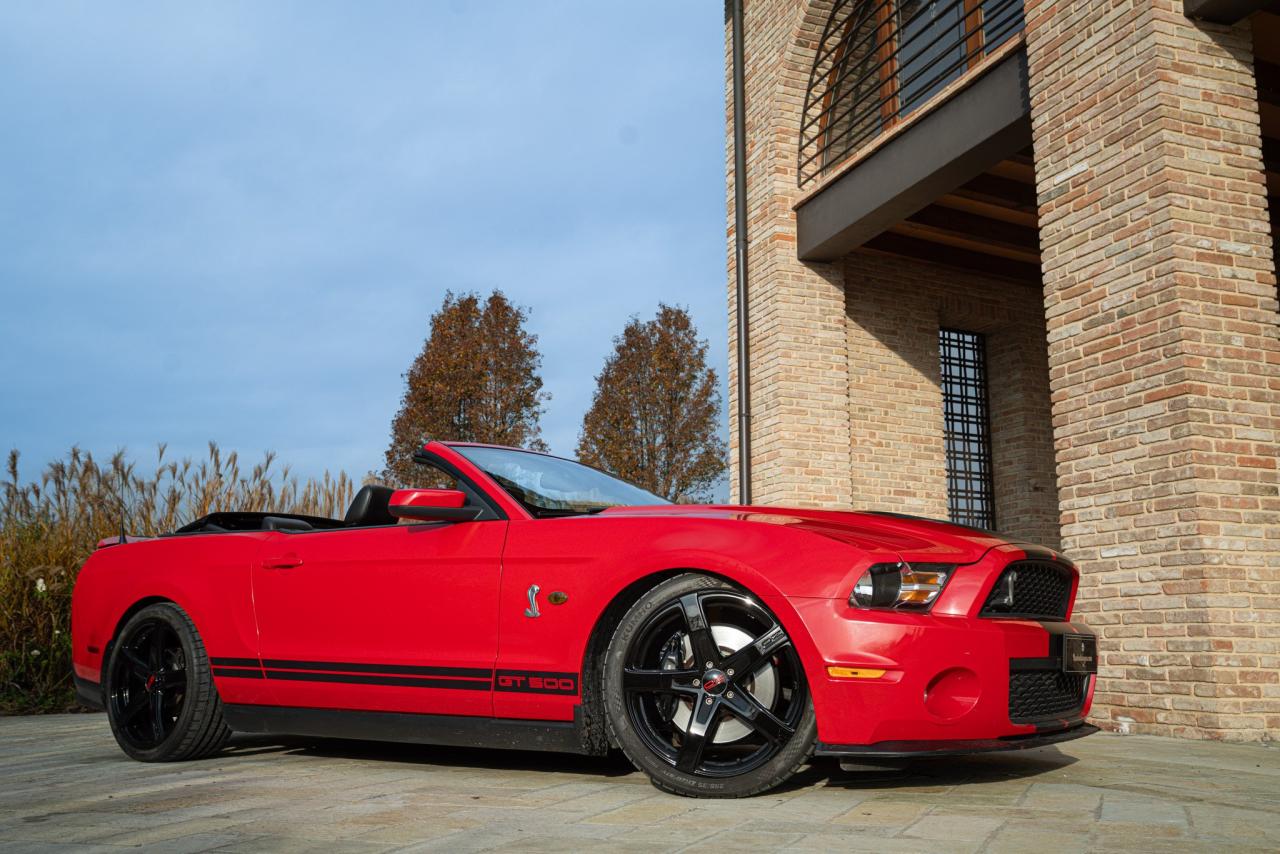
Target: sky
233, 221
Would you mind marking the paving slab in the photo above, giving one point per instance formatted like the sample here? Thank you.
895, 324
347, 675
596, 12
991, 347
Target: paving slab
66, 787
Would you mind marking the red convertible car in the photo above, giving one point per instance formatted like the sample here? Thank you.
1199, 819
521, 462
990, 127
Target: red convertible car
541, 604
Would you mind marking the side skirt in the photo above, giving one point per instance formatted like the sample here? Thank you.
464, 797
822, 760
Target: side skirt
444, 730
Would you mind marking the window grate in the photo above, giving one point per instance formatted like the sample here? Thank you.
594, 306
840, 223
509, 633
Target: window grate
967, 425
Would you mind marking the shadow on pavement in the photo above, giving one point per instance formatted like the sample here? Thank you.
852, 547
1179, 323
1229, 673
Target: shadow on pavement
613, 765
952, 770
948, 771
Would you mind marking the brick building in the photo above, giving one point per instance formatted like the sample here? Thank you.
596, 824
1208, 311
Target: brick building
1012, 264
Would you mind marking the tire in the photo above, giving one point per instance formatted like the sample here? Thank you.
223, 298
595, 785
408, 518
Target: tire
739, 727
159, 691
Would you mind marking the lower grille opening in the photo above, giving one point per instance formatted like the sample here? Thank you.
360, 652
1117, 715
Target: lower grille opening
1042, 694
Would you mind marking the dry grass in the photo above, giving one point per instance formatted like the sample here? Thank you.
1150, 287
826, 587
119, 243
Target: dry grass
48, 528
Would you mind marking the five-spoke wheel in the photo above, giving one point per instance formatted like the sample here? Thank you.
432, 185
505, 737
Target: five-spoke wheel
160, 695
705, 692
149, 683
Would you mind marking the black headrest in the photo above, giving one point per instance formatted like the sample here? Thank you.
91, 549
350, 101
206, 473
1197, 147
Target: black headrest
369, 507
284, 523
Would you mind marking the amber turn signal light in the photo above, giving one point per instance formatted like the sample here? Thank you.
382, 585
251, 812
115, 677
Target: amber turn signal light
854, 673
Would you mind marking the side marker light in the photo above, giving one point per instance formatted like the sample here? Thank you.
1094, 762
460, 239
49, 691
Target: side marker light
854, 673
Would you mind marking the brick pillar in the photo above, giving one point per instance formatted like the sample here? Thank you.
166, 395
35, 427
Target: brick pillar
1160, 298
799, 360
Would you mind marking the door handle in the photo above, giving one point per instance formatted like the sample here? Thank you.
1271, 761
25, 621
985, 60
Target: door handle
285, 561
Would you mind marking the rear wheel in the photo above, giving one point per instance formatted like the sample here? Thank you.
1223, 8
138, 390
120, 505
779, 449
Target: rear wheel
705, 693
161, 700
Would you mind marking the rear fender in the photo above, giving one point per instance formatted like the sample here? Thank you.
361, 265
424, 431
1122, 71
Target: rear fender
208, 577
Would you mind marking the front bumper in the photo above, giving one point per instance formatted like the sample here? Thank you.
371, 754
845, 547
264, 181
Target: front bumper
948, 678
923, 749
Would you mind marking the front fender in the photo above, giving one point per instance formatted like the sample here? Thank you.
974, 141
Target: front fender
592, 560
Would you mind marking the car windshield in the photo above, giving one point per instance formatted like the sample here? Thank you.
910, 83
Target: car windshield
550, 486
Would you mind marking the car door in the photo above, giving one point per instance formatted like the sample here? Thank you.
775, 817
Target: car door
399, 618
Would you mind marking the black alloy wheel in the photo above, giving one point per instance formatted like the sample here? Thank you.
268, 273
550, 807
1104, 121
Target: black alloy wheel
705, 691
149, 683
161, 700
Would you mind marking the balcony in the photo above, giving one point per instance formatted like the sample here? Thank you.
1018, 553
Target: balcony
881, 60
912, 105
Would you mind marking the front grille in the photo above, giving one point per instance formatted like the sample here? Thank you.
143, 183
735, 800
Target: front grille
1039, 694
1031, 589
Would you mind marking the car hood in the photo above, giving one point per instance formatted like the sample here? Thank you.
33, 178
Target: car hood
909, 537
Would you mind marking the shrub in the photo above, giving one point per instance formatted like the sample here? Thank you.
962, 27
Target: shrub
48, 529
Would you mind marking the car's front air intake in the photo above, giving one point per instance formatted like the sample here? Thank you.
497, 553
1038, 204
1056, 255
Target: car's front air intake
1031, 589
1035, 695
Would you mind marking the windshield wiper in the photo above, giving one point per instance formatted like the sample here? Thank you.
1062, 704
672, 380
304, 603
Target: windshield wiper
555, 512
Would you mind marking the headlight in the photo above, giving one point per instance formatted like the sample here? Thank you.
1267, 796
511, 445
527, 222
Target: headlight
907, 586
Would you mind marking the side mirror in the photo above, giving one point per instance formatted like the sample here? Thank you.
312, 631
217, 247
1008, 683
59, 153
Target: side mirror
433, 505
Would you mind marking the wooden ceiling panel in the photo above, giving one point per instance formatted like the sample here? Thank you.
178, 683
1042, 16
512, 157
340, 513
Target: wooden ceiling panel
1016, 169
991, 209
954, 256
988, 226
1266, 36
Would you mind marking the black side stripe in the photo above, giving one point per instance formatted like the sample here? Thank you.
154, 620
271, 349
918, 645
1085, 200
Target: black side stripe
238, 672
405, 669
372, 679
398, 675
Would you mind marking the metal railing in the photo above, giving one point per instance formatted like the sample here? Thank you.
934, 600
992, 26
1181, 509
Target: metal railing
878, 60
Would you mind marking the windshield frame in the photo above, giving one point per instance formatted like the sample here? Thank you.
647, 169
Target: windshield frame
520, 496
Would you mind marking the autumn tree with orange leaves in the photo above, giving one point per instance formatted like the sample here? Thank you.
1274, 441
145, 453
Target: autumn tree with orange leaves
654, 419
476, 380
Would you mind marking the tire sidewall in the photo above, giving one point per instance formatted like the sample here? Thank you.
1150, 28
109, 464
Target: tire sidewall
664, 775
181, 625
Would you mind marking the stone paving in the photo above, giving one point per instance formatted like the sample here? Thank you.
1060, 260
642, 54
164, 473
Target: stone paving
65, 786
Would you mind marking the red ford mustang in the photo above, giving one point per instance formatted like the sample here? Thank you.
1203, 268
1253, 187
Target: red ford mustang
542, 604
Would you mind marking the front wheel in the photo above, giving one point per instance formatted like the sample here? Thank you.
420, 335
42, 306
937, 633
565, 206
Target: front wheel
705, 692
161, 700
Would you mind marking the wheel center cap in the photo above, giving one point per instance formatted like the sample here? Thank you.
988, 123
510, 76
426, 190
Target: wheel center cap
714, 681
151, 682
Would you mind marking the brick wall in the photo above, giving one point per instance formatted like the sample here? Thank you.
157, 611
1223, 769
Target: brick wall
894, 308
1163, 357
1025, 484
1164, 360
799, 364
827, 431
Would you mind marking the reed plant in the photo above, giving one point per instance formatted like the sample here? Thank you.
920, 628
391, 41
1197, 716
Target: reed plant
49, 527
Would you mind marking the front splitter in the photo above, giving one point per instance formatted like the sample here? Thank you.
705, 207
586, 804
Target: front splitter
920, 749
